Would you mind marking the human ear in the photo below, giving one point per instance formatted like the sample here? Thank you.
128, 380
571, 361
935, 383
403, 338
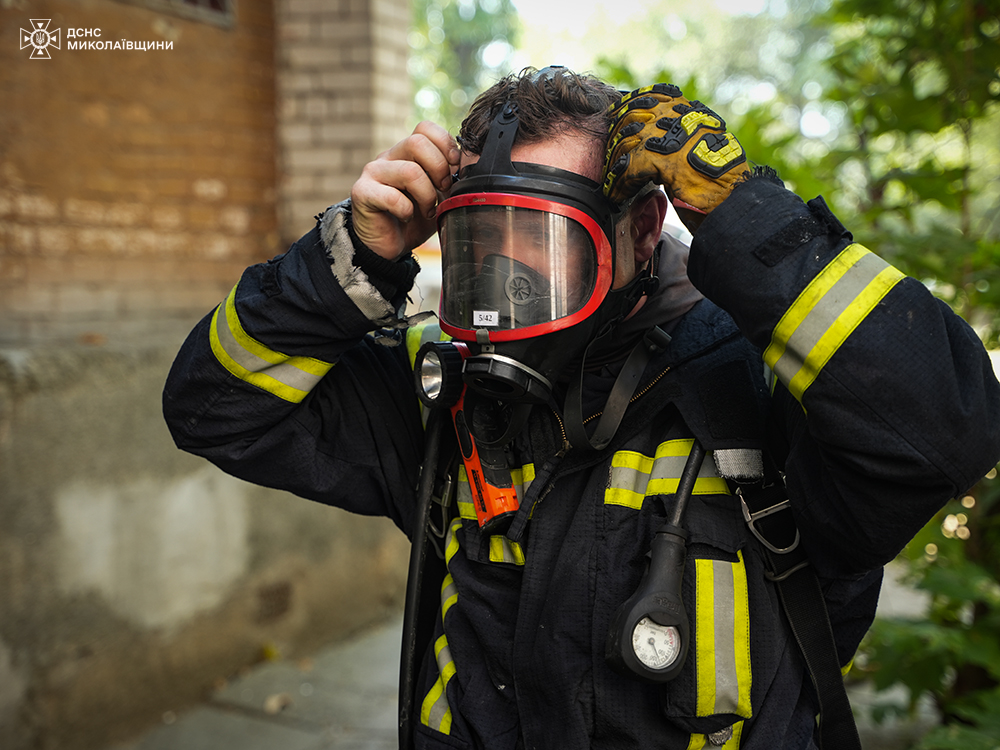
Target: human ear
648, 214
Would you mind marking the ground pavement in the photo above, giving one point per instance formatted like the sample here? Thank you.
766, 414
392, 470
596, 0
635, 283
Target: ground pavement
345, 698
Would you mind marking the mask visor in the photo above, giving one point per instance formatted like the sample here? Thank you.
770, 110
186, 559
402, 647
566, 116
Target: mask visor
518, 266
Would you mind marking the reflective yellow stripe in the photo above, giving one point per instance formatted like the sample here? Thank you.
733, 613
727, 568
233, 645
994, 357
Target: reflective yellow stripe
463, 496
451, 541
846, 668
503, 550
449, 594
418, 335
289, 378
522, 478
825, 314
635, 476
722, 638
435, 711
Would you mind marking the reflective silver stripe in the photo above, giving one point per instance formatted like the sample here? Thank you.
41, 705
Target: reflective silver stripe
825, 314
634, 476
290, 378
727, 689
722, 638
435, 711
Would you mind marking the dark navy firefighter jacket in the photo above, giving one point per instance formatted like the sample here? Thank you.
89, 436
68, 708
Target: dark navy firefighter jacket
884, 405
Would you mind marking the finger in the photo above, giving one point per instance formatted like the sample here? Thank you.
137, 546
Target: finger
442, 139
613, 187
647, 97
432, 148
396, 187
625, 139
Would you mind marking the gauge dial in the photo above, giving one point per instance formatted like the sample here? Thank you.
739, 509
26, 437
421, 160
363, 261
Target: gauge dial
656, 646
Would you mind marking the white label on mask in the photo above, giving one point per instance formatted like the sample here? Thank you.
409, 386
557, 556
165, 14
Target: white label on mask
485, 318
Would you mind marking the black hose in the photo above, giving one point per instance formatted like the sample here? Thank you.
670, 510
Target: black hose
408, 659
686, 484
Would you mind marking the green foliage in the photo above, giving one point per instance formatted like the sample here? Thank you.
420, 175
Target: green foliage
457, 49
911, 89
619, 75
920, 81
954, 654
917, 78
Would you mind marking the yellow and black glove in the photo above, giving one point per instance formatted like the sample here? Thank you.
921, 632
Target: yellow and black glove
658, 136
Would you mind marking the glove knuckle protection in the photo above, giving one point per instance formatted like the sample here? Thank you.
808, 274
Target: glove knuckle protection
644, 102
667, 89
715, 154
633, 128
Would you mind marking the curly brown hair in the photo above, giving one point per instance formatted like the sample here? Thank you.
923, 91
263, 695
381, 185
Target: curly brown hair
550, 102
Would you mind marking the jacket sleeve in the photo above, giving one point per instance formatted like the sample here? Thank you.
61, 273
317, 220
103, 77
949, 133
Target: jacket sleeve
887, 402
284, 384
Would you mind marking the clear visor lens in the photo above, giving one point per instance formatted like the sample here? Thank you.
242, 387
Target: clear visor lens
506, 267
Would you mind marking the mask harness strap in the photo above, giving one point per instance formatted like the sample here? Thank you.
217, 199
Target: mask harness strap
654, 342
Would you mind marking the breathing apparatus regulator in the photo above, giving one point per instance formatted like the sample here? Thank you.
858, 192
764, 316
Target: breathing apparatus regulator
527, 256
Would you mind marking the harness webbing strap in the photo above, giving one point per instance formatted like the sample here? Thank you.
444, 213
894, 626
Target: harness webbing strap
770, 519
621, 394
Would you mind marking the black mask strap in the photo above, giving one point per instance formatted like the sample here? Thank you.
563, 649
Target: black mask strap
654, 342
495, 156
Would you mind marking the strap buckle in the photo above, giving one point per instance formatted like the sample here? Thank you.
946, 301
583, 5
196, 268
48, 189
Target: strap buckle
753, 517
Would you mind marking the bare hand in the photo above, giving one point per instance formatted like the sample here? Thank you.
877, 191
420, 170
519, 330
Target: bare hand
395, 199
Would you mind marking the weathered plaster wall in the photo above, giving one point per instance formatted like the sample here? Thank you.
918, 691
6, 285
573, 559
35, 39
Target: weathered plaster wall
134, 576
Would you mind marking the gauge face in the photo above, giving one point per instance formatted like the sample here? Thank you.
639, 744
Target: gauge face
656, 646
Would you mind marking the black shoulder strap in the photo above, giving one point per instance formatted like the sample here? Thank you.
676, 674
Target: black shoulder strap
768, 514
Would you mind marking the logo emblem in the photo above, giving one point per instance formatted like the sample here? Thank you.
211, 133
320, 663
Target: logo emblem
40, 38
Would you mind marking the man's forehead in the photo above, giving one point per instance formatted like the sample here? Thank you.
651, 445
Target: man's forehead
571, 151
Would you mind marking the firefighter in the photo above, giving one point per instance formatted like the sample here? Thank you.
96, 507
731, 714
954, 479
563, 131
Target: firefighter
679, 471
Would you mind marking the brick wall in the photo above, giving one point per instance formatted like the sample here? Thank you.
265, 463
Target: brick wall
134, 185
134, 189
343, 97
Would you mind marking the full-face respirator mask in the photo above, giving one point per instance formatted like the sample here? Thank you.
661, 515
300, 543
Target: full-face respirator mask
527, 254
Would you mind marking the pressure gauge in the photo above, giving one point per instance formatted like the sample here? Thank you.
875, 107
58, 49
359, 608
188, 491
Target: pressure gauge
649, 635
656, 646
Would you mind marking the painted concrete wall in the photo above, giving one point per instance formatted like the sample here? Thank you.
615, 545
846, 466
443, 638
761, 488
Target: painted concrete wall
134, 188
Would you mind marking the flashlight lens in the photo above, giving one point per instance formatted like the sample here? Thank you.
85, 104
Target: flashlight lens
431, 375
437, 372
